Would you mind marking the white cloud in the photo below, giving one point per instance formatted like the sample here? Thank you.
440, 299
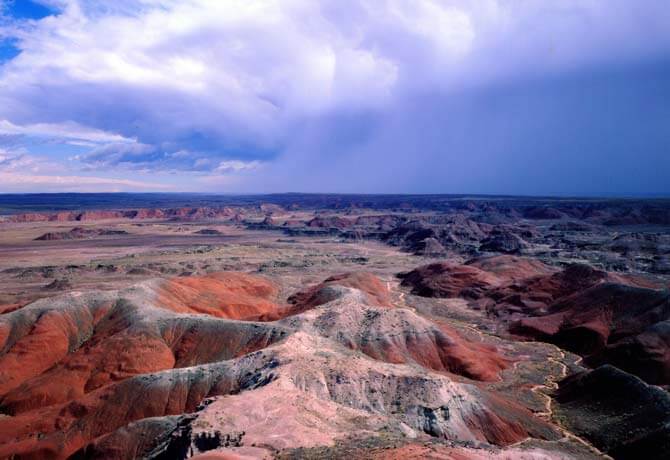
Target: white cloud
28, 182
261, 59
67, 130
236, 165
20, 161
20, 171
250, 67
224, 86
117, 153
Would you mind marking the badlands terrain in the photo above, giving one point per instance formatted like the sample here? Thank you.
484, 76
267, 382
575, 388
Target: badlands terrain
333, 326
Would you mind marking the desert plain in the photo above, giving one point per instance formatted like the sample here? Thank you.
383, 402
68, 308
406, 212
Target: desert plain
335, 326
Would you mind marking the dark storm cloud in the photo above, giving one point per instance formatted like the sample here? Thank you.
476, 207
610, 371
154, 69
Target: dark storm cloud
396, 95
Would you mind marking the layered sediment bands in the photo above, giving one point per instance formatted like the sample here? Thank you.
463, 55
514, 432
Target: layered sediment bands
423, 235
533, 295
330, 222
10, 307
230, 365
322, 391
66, 427
618, 412
511, 268
61, 348
510, 281
398, 336
361, 391
126, 339
504, 279
36, 337
427, 402
125, 369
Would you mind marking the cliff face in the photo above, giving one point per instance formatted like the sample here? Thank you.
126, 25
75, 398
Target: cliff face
143, 213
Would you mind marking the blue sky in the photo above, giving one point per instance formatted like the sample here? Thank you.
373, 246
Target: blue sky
20, 10
564, 97
8, 50
28, 9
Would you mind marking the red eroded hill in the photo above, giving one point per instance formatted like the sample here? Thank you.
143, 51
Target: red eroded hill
58, 349
389, 334
533, 295
610, 323
472, 279
509, 286
85, 369
448, 280
65, 362
376, 292
606, 317
231, 295
511, 268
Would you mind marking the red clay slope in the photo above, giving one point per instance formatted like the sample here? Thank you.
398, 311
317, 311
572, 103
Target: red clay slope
59, 357
247, 297
509, 286
230, 295
473, 279
376, 292
78, 367
393, 335
611, 323
79, 347
606, 317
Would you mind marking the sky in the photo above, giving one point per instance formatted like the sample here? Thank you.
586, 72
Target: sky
529, 97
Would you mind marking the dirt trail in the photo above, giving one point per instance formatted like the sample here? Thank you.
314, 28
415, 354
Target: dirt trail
551, 384
394, 288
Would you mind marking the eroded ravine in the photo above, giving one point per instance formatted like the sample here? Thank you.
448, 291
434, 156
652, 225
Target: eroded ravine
544, 390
